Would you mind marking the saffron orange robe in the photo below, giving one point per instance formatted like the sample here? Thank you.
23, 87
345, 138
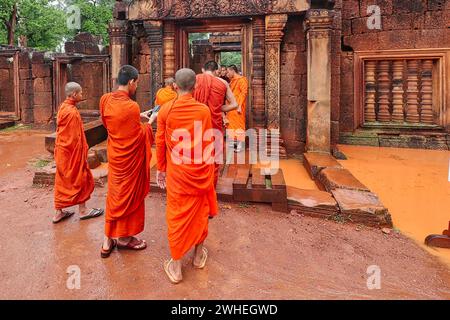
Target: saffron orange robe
212, 92
74, 183
165, 95
191, 196
236, 125
129, 156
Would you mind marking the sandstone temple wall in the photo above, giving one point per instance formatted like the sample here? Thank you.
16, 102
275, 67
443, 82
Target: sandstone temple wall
410, 29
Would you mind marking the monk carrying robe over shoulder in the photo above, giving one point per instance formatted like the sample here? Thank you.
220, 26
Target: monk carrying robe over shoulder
74, 183
213, 92
129, 156
167, 93
188, 175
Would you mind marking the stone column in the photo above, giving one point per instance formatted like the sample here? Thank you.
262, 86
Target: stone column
154, 31
318, 25
275, 24
120, 41
258, 83
169, 49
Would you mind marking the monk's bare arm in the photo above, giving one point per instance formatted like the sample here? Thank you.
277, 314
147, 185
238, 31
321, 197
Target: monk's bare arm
233, 105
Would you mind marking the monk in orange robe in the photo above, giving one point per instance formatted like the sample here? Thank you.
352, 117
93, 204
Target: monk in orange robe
236, 118
129, 155
214, 92
74, 183
167, 93
187, 174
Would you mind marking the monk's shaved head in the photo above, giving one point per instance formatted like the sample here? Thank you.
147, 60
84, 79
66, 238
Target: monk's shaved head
169, 82
185, 79
71, 88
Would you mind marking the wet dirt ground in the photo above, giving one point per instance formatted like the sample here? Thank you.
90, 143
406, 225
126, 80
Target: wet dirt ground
254, 254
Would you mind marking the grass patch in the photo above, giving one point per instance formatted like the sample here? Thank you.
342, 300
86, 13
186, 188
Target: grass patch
17, 127
41, 163
244, 205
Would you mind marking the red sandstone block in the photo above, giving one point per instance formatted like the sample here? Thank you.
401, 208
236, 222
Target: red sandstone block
24, 60
42, 113
42, 85
144, 82
69, 47
432, 38
399, 21
396, 40
350, 9
79, 47
4, 75
435, 20
24, 74
385, 7
144, 47
41, 70
26, 86
409, 6
368, 41
438, 5
346, 27
38, 57
43, 99
91, 48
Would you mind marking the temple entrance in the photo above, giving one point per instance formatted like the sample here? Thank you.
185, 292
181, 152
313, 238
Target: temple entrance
227, 42
9, 86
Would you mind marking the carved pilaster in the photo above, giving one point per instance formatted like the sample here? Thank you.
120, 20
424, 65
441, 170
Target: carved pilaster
369, 107
258, 81
274, 34
154, 32
120, 43
384, 86
169, 49
412, 111
397, 91
318, 25
426, 114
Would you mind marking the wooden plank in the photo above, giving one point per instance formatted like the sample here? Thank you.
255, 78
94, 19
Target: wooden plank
278, 181
258, 180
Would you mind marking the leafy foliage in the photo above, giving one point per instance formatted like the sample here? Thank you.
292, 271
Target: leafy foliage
44, 22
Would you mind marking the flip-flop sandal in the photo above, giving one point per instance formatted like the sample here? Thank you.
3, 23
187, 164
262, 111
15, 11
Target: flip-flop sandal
94, 213
135, 247
169, 275
106, 253
66, 215
204, 259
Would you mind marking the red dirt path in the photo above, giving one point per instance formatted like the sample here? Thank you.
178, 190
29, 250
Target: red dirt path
254, 254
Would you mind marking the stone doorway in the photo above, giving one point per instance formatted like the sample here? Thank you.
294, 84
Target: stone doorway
9, 85
239, 35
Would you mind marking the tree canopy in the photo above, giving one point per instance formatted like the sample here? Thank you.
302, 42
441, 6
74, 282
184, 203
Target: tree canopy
44, 22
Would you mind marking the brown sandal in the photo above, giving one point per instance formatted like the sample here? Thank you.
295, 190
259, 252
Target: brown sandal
106, 253
137, 246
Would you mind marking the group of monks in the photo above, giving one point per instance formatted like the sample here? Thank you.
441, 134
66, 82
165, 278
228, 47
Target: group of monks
185, 101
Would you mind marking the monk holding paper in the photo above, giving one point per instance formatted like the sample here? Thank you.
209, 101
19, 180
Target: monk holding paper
129, 155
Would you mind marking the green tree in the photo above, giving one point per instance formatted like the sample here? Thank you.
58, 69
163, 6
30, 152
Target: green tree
95, 17
41, 22
231, 58
8, 21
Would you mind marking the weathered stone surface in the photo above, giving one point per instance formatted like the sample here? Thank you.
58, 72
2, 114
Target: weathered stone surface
339, 178
362, 207
312, 202
42, 113
95, 133
315, 162
101, 151
224, 189
45, 176
41, 70
92, 160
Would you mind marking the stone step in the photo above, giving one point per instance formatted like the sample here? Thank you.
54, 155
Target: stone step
314, 162
312, 202
362, 207
95, 133
7, 124
339, 178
